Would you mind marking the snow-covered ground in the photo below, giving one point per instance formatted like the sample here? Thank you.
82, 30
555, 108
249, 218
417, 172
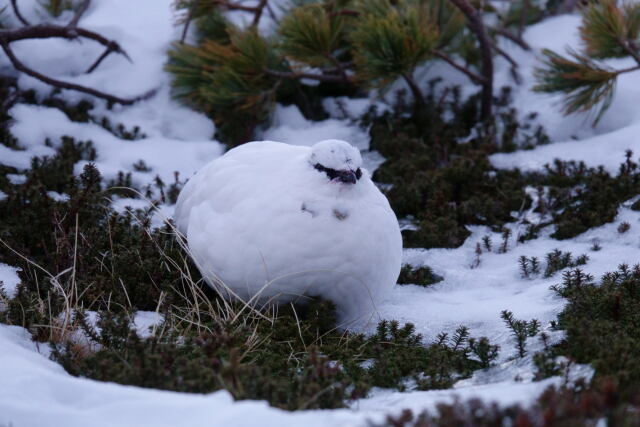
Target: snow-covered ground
35, 391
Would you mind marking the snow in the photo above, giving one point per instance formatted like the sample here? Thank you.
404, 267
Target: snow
290, 126
9, 279
35, 391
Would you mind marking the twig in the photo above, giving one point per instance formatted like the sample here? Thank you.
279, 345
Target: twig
192, 10
569, 5
504, 54
76, 17
45, 31
632, 49
514, 64
101, 58
415, 89
475, 77
66, 85
258, 13
517, 40
19, 15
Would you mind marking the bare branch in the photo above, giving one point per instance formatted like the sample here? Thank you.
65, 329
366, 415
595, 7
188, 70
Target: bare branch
18, 65
192, 10
517, 40
418, 97
475, 77
19, 15
101, 58
76, 17
258, 13
514, 64
45, 31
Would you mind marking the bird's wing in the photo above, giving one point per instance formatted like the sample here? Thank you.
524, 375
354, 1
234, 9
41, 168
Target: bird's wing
239, 175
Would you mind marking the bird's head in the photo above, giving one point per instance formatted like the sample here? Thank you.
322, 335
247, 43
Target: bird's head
339, 160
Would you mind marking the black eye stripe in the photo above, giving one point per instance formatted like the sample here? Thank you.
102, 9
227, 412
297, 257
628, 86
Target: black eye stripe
332, 173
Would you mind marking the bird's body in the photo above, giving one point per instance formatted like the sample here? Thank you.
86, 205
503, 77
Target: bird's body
275, 222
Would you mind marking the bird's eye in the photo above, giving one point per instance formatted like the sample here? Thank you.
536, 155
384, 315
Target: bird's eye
358, 173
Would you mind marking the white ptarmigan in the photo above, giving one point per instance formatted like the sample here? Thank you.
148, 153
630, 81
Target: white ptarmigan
276, 222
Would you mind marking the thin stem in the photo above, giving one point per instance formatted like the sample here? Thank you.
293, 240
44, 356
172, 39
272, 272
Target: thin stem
475, 77
258, 13
192, 10
19, 15
415, 89
76, 17
517, 40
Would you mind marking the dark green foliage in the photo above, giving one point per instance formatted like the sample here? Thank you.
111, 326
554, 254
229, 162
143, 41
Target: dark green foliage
301, 361
484, 351
558, 260
421, 276
578, 405
116, 264
228, 80
348, 47
506, 234
218, 358
582, 198
624, 227
601, 322
545, 361
521, 330
443, 184
636, 205
528, 266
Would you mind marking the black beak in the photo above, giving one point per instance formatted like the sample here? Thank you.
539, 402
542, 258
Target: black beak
348, 176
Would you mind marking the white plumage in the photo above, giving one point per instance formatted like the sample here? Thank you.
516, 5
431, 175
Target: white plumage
276, 222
